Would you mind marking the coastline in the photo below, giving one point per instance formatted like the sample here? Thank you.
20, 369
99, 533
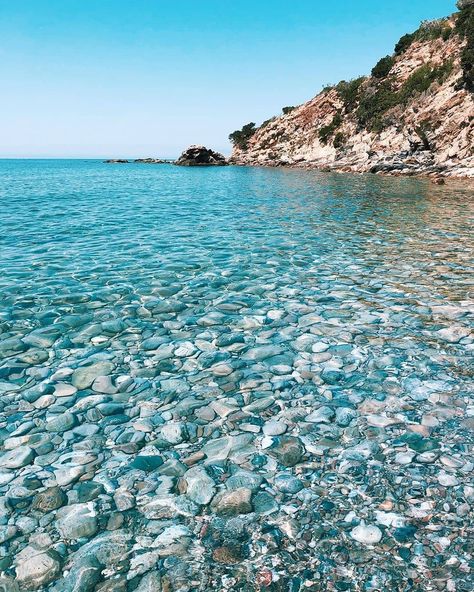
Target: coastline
430, 175
411, 116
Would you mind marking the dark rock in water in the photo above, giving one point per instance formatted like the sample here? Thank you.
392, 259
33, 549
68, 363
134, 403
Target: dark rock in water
83, 577
147, 463
228, 555
288, 450
405, 533
439, 181
116, 161
201, 156
49, 500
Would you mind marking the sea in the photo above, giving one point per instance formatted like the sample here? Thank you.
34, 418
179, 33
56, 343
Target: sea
234, 378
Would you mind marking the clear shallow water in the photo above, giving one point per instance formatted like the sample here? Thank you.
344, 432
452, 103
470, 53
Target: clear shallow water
213, 301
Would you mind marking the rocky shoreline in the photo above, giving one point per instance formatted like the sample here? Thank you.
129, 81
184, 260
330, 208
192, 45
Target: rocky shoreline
387, 168
194, 156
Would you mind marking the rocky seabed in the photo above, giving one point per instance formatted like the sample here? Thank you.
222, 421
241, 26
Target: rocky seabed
297, 415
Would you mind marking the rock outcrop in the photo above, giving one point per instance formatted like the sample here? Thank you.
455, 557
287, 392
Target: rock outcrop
151, 161
201, 156
116, 161
413, 115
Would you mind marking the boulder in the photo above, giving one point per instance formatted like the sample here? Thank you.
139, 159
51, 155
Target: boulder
201, 156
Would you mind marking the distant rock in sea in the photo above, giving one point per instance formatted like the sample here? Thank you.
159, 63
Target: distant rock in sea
152, 161
201, 156
116, 161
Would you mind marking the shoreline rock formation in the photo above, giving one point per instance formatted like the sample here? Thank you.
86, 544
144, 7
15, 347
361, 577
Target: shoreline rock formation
413, 115
152, 161
201, 156
137, 161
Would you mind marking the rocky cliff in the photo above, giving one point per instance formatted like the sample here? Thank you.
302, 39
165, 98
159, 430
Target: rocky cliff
413, 115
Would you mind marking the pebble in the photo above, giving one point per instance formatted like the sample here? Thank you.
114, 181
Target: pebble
49, 500
288, 450
61, 423
233, 503
63, 389
367, 535
77, 521
83, 377
321, 415
17, 458
35, 568
200, 488
274, 428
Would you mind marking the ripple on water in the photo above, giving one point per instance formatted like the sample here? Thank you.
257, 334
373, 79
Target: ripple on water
234, 379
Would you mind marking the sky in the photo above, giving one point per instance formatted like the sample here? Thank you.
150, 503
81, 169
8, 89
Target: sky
137, 78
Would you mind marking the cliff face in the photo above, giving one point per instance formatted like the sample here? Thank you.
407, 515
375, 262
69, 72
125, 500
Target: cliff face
414, 114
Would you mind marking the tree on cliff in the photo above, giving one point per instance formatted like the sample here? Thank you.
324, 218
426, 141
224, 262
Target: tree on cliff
240, 138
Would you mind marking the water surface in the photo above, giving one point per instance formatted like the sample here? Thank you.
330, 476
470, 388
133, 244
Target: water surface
308, 328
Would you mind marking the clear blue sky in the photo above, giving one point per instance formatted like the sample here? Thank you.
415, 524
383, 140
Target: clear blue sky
149, 77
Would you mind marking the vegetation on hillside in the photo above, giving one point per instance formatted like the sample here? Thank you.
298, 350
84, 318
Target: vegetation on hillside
382, 67
371, 99
328, 131
465, 28
376, 101
349, 91
240, 138
267, 122
427, 31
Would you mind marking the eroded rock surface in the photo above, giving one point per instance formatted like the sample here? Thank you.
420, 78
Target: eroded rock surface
201, 156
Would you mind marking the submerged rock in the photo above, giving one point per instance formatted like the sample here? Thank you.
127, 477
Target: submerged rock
233, 503
35, 568
367, 535
288, 450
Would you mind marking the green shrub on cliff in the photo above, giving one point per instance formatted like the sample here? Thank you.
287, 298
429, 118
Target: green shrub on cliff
240, 138
465, 29
327, 131
421, 80
339, 140
287, 110
383, 67
428, 30
349, 92
375, 102
404, 43
267, 122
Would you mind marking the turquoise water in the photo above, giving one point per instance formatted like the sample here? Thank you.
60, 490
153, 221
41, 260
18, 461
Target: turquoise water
276, 294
